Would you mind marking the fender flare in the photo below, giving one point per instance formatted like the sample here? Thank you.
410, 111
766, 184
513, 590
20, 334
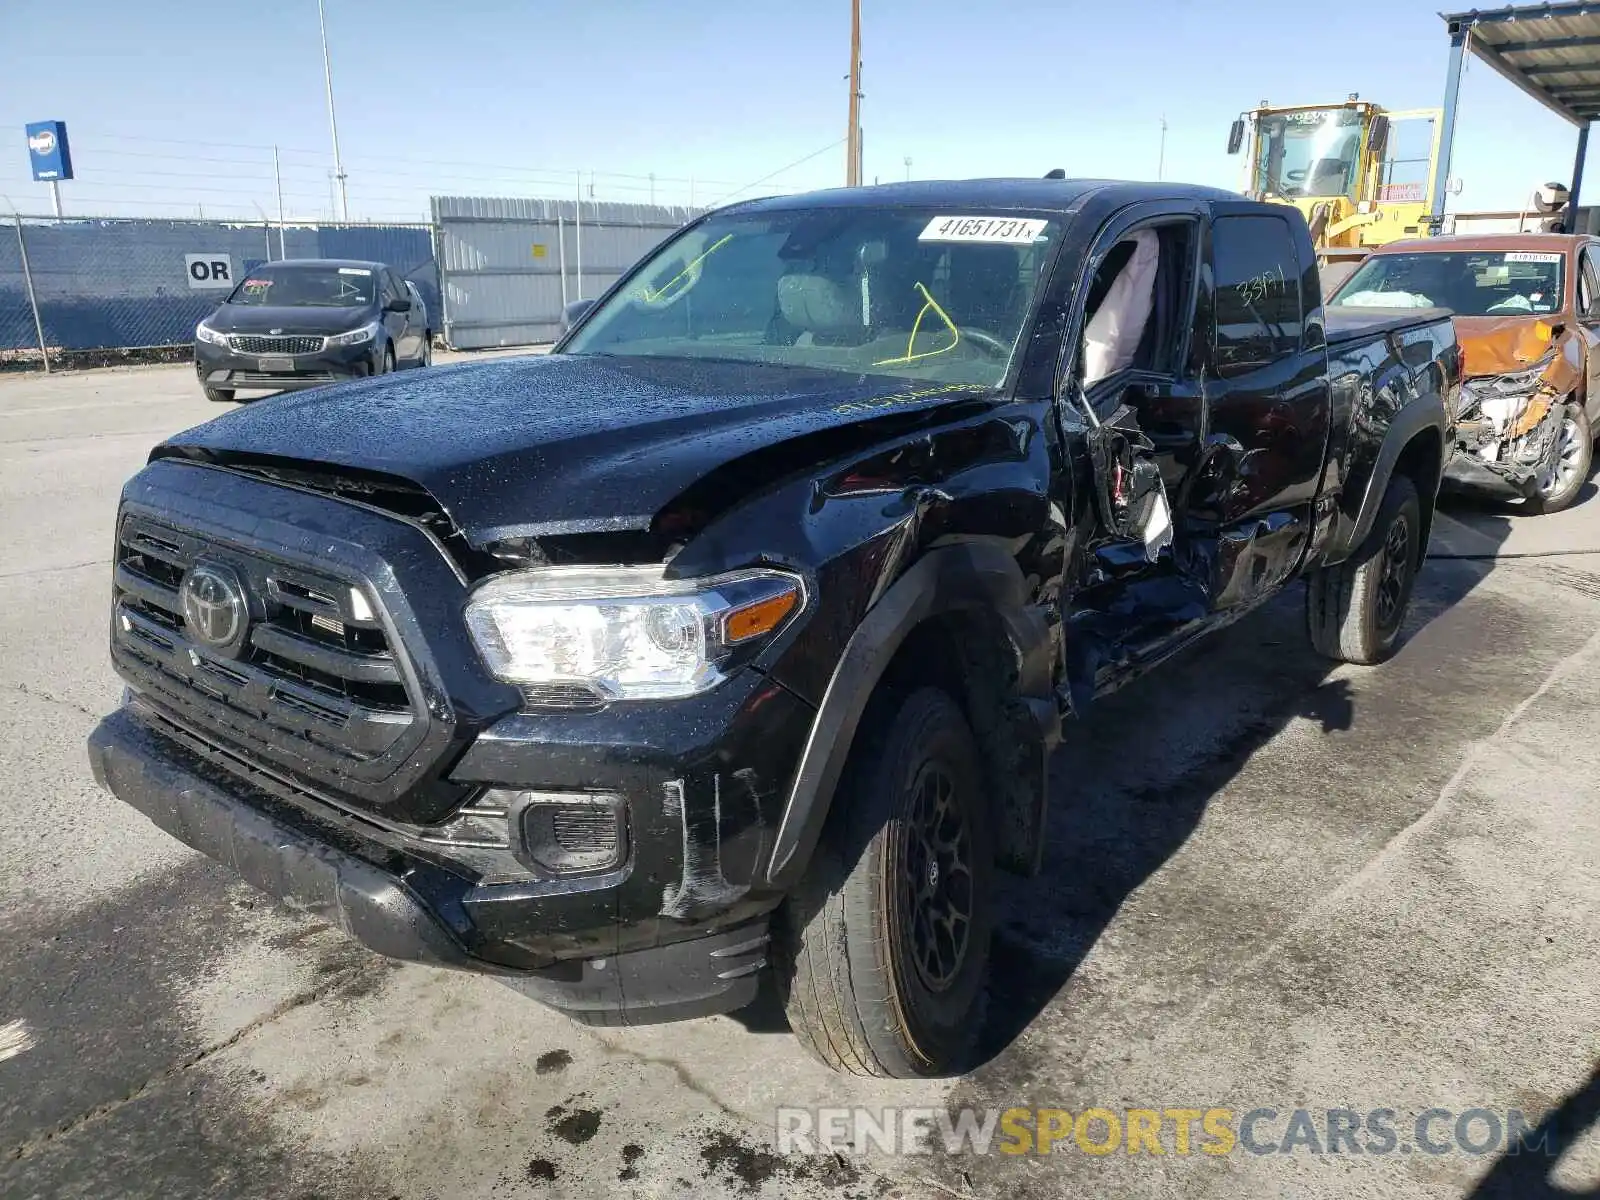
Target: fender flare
1422, 414
966, 575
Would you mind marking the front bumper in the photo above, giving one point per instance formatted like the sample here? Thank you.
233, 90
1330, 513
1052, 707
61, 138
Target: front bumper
401, 907
1513, 469
222, 367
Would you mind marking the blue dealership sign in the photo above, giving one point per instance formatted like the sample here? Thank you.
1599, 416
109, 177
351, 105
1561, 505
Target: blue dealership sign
47, 150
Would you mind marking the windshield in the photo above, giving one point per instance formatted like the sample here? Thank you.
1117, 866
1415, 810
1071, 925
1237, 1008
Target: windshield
1310, 152
931, 295
1474, 283
305, 287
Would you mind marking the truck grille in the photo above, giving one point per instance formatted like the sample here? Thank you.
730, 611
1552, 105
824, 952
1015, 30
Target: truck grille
249, 343
309, 670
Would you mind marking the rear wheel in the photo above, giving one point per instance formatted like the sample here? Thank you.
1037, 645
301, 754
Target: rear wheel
1559, 484
1354, 610
218, 395
426, 359
887, 937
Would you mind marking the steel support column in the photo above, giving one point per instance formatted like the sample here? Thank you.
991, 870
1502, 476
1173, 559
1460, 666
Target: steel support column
1577, 179
1447, 131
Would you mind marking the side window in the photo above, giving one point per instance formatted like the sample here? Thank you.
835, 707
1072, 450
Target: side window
1588, 285
396, 289
1257, 273
1136, 311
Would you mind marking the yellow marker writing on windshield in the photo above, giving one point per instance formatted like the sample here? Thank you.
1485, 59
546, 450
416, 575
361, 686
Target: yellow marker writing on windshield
911, 354
659, 294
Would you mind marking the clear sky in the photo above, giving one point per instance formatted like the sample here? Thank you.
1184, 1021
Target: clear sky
173, 105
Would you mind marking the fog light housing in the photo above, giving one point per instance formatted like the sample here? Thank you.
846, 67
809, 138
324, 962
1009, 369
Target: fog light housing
572, 833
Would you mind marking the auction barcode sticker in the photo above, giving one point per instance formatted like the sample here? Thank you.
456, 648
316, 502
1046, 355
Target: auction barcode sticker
1528, 256
1016, 231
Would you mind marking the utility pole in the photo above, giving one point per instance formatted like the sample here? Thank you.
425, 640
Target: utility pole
333, 121
1161, 161
277, 178
852, 173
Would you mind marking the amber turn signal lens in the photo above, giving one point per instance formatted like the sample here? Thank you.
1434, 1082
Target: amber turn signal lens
1543, 331
763, 616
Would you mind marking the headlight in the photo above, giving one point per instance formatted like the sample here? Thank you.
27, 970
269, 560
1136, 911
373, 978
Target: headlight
204, 333
627, 633
356, 336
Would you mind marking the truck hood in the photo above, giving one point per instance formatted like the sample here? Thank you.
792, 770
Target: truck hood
546, 445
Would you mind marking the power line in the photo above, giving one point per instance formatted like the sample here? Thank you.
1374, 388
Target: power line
799, 162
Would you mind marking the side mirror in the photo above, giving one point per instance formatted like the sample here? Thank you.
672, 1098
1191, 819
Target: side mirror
1236, 136
574, 312
397, 304
1378, 139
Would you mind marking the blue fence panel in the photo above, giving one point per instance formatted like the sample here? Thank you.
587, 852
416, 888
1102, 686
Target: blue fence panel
104, 284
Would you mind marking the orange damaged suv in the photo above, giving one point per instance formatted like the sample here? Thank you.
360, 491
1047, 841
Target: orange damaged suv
1527, 313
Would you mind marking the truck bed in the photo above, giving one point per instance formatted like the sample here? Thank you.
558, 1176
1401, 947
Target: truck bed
1346, 323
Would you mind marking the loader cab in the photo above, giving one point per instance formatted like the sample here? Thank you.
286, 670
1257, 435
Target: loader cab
1359, 174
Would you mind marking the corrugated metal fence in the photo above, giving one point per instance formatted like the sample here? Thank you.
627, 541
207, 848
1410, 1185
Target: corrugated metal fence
507, 266
118, 283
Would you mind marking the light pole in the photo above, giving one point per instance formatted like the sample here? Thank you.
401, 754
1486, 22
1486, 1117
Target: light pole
333, 121
908, 168
852, 170
1161, 160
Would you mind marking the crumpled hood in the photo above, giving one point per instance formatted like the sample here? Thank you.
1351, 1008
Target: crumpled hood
1502, 345
252, 318
551, 444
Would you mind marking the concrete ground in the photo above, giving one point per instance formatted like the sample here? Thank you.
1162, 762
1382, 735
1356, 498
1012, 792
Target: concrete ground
1268, 885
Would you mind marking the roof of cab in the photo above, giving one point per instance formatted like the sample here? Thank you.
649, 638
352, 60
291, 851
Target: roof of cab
1044, 195
1484, 241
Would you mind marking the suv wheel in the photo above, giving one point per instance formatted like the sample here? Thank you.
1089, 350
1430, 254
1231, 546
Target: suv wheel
1559, 486
1354, 610
886, 940
388, 361
426, 359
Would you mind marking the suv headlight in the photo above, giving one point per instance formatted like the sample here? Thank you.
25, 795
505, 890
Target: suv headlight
627, 633
204, 333
356, 336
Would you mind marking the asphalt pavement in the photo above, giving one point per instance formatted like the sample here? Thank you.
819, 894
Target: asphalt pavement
1270, 886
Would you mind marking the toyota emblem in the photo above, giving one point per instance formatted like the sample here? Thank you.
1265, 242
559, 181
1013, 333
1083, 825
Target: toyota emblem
214, 608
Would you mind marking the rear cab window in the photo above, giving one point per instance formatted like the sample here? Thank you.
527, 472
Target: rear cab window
1257, 278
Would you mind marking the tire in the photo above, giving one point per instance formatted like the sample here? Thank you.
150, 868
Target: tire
387, 365
218, 395
849, 939
1575, 457
426, 357
1354, 610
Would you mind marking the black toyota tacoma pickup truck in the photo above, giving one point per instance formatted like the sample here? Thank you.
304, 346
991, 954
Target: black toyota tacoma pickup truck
735, 635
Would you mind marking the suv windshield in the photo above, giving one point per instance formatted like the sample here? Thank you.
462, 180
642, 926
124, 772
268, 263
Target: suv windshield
1311, 152
306, 287
1473, 283
935, 295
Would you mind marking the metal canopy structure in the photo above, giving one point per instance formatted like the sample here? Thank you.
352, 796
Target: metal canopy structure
1550, 51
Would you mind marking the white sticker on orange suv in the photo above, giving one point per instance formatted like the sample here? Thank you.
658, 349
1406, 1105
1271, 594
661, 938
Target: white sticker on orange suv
1016, 231
1529, 256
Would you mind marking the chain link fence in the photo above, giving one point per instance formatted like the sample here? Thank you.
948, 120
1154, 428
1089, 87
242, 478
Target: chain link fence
76, 284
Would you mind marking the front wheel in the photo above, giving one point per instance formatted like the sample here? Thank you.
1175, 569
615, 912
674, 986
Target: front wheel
1559, 484
426, 358
886, 940
1354, 609
386, 364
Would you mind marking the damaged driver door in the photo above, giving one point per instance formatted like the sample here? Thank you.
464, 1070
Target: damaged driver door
1134, 385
